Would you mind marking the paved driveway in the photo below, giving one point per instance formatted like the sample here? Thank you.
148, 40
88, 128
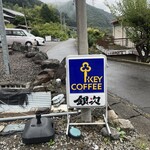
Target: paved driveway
63, 49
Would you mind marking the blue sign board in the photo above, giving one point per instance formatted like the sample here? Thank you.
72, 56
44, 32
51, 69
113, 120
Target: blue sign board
86, 80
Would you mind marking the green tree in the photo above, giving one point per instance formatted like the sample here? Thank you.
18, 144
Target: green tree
26, 3
48, 14
19, 20
94, 35
53, 29
134, 15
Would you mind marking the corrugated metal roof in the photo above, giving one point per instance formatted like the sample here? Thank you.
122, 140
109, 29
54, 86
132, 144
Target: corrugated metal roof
36, 100
13, 12
39, 99
6, 21
5, 15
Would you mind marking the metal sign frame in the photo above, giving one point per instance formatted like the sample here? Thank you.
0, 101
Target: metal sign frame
91, 89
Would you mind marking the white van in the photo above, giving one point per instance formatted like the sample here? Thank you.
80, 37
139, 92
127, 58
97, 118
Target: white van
19, 35
39, 40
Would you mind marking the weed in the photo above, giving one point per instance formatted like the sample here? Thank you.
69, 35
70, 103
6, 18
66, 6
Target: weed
51, 143
122, 134
107, 140
141, 143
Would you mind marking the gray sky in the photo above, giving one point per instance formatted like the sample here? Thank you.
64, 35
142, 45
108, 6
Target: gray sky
96, 3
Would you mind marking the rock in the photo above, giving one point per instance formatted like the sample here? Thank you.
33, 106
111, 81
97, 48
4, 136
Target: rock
115, 135
39, 57
51, 88
124, 124
50, 63
1, 128
58, 83
38, 62
40, 88
112, 115
30, 54
95, 147
57, 99
59, 103
11, 52
15, 137
104, 132
43, 110
61, 71
27, 85
16, 46
33, 49
50, 72
61, 108
43, 78
14, 128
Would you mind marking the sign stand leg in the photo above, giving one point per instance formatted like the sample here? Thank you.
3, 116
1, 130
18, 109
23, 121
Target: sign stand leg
105, 116
68, 121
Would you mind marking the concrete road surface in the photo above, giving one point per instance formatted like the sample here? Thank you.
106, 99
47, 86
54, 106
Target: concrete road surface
128, 81
63, 49
131, 82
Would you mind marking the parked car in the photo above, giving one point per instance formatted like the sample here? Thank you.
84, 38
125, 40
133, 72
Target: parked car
39, 40
19, 35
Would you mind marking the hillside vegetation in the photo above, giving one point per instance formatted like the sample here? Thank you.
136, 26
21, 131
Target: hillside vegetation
95, 17
43, 19
47, 19
22, 3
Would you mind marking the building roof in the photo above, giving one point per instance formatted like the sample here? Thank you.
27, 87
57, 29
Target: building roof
6, 21
8, 16
13, 12
115, 22
23, 27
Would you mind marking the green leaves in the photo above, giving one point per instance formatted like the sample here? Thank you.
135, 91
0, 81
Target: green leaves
134, 16
50, 29
26, 3
48, 14
94, 35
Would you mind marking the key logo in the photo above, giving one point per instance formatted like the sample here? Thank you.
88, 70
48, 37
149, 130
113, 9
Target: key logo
85, 69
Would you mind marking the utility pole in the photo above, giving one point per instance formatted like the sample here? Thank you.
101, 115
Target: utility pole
4, 41
81, 16
64, 22
60, 14
25, 19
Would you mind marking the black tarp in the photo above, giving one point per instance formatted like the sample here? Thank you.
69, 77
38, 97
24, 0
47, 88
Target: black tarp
14, 96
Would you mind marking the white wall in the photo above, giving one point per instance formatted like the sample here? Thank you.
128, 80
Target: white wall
120, 36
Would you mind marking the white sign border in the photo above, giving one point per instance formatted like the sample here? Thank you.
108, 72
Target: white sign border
68, 80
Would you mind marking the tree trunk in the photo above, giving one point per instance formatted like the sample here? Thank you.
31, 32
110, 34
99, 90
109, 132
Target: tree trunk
143, 51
